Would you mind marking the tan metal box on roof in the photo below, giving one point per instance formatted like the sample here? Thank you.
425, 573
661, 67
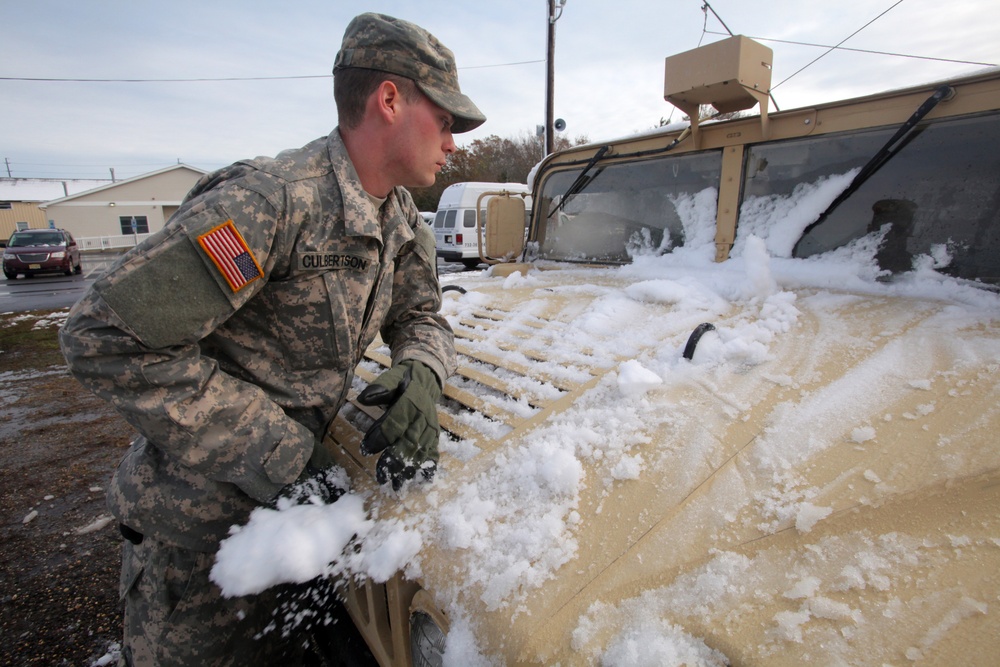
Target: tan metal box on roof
722, 74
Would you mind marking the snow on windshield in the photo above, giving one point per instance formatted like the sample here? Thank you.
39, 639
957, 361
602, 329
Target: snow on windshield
509, 530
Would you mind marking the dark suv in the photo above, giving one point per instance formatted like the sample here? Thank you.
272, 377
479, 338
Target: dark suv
32, 251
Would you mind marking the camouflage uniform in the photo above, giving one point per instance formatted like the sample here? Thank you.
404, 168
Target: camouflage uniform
175, 615
229, 340
231, 378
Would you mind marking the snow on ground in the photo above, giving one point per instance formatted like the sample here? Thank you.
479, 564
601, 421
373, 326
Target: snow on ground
511, 528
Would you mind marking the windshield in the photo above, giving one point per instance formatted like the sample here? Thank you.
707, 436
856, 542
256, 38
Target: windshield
33, 239
627, 207
939, 196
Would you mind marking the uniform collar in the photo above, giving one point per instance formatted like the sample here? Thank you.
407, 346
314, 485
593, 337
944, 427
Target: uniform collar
360, 216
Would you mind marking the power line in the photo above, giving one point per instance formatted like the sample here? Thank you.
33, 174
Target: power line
708, 7
896, 4
199, 80
55, 164
216, 79
870, 51
523, 62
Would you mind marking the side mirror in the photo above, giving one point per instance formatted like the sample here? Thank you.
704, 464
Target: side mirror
504, 227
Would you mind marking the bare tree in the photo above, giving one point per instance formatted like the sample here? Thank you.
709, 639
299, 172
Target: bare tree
493, 159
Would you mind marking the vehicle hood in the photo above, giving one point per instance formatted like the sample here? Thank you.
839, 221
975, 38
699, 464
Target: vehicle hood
36, 248
822, 477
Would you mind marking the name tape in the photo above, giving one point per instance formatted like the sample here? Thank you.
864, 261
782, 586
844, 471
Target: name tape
320, 261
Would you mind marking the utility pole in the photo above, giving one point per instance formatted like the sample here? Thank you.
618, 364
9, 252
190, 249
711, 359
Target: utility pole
550, 74
7, 161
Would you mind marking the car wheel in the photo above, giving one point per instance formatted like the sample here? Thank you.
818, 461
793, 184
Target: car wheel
10, 276
471, 263
79, 269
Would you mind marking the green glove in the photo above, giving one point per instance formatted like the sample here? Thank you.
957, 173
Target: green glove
407, 433
319, 480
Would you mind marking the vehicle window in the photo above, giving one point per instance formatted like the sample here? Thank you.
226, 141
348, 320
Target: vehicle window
627, 207
46, 238
470, 218
939, 189
439, 220
449, 219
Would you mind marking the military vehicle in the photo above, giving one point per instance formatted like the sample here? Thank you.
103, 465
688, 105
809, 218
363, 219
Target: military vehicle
733, 401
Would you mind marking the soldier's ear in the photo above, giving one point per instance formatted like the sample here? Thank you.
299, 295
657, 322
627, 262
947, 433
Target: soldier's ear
386, 102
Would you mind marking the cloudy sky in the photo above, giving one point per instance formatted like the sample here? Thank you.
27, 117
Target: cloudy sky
608, 62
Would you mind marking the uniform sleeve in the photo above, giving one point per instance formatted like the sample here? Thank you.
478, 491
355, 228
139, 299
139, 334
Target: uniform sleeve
133, 339
414, 327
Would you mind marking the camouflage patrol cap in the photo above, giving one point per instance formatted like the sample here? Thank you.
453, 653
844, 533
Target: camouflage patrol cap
387, 44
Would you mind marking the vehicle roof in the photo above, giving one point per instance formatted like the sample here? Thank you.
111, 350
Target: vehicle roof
792, 114
465, 195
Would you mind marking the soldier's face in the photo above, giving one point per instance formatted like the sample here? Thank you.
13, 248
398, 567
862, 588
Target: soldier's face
424, 142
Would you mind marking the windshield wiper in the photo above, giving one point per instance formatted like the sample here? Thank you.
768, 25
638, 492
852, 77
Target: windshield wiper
887, 152
581, 180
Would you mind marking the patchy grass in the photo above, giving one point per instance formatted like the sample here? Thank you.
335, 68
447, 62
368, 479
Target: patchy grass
30, 341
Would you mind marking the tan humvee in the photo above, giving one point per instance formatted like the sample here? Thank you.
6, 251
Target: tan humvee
814, 481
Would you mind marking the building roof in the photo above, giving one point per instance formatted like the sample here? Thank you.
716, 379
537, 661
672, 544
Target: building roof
45, 189
107, 185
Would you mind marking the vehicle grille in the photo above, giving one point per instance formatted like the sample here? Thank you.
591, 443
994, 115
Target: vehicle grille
496, 393
33, 257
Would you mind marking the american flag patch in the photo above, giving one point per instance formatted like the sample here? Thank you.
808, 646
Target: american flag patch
231, 255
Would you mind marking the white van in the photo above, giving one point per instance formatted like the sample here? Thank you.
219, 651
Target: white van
455, 221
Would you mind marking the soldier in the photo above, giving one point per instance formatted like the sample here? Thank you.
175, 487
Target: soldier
229, 339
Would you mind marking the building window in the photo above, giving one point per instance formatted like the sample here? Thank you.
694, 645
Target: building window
6, 205
141, 226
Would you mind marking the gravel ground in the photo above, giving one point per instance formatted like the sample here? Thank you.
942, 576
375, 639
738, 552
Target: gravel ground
59, 549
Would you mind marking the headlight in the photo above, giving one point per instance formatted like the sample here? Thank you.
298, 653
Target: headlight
8, 255
58, 255
426, 641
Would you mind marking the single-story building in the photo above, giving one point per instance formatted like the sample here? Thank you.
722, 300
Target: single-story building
20, 198
123, 210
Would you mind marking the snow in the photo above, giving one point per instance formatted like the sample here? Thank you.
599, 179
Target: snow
809, 515
511, 523
44, 189
783, 219
97, 524
315, 539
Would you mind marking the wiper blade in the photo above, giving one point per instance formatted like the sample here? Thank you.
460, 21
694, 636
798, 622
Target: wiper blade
902, 137
581, 180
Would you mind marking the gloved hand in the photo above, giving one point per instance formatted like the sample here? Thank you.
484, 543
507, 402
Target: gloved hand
319, 480
407, 433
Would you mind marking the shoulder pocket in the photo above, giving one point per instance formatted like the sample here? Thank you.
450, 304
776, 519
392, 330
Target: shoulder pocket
166, 294
424, 244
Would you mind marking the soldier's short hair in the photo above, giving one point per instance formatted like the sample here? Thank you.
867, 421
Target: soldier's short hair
352, 86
